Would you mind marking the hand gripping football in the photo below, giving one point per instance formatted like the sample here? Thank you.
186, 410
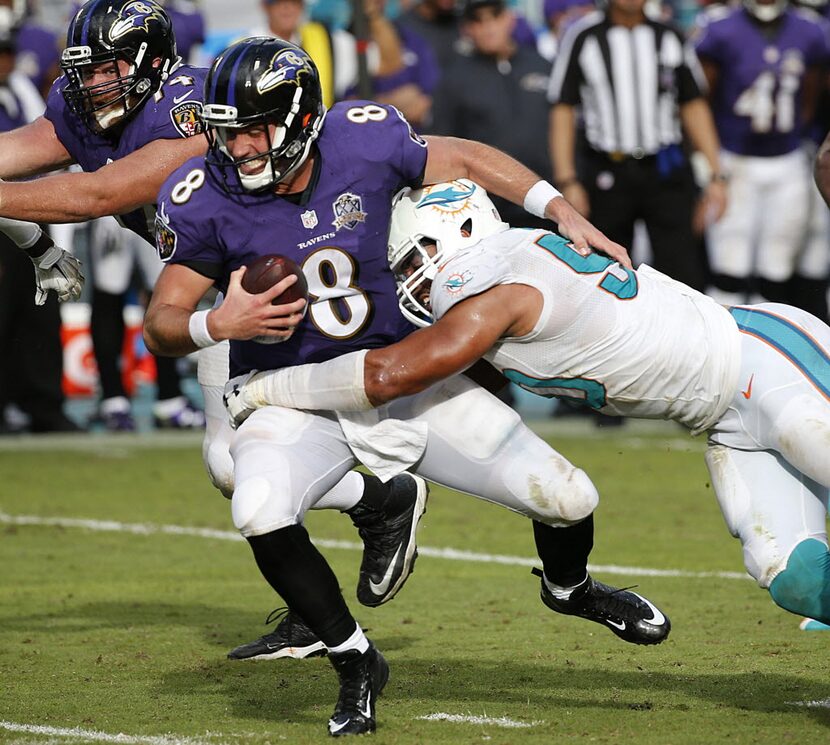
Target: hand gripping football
264, 272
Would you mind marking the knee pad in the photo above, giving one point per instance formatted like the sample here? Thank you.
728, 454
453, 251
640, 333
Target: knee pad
569, 500
254, 509
219, 465
803, 587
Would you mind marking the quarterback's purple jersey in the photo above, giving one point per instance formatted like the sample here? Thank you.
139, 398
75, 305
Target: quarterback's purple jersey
38, 52
172, 113
757, 101
337, 232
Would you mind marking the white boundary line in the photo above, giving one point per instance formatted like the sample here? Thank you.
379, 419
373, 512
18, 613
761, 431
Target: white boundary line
472, 719
76, 733
450, 554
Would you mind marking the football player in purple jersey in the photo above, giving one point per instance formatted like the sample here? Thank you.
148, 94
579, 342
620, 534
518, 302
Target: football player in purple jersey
285, 175
765, 63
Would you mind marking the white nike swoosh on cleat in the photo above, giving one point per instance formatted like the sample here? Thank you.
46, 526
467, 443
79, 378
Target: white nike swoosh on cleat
381, 587
333, 727
368, 712
615, 624
658, 619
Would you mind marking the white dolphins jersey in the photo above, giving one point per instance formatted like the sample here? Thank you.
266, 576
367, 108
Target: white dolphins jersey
624, 342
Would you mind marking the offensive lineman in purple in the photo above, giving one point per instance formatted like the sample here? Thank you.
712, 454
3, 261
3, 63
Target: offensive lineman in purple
339, 224
173, 113
763, 72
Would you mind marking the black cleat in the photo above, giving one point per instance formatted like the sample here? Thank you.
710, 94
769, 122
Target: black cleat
629, 615
291, 638
362, 678
389, 548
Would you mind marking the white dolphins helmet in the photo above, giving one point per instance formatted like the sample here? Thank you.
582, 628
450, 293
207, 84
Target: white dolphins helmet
435, 215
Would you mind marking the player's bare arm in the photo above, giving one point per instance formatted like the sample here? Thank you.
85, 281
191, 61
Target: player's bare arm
117, 188
452, 344
700, 127
241, 316
498, 173
562, 147
31, 149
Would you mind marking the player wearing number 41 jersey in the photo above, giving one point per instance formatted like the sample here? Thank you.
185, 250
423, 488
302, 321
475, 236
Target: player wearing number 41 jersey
765, 63
624, 342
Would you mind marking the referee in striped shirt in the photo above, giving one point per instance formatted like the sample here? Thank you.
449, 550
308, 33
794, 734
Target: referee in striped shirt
638, 87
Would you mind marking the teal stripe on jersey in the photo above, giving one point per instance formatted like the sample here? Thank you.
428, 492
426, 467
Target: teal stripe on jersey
791, 341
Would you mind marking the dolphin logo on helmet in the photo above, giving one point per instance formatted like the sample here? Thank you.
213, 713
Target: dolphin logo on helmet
286, 67
458, 191
135, 16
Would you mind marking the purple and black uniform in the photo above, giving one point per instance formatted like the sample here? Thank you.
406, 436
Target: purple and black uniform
757, 102
171, 114
336, 231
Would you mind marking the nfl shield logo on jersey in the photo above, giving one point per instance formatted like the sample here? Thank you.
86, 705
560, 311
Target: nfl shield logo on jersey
187, 118
309, 218
348, 211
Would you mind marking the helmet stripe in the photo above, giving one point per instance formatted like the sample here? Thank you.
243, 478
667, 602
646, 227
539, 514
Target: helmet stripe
220, 76
88, 19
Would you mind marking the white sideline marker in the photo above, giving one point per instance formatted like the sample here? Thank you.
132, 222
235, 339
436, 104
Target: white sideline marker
76, 733
823, 703
451, 554
471, 719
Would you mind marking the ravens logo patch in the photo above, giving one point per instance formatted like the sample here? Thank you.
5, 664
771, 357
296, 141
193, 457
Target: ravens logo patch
187, 118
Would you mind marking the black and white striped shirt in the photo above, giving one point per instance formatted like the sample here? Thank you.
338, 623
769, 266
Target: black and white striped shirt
629, 83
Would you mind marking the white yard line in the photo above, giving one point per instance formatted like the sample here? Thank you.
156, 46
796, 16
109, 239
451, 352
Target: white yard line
819, 704
471, 719
86, 735
451, 554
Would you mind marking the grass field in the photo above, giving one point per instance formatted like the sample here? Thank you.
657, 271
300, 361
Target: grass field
123, 586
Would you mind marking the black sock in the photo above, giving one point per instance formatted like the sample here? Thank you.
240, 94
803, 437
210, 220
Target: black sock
299, 573
388, 498
167, 379
107, 331
564, 551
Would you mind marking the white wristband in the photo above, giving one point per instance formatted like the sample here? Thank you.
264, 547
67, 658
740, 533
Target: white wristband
199, 330
538, 196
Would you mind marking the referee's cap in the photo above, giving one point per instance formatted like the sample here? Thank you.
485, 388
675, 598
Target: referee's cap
469, 7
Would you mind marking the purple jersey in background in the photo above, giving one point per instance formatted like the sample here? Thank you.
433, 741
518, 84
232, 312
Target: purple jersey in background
337, 232
174, 112
757, 102
420, 65
38, 53
188, 26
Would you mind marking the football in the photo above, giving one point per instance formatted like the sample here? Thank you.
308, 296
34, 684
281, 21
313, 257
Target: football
264, 272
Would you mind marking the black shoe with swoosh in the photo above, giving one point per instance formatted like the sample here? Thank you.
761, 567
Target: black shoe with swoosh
362, 678
629, 615
290, 638
389, 546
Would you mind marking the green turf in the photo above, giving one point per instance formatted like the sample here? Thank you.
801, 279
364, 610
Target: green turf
121, 633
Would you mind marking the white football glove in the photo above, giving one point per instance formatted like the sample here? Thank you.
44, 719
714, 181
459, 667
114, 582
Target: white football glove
57, 270
238, 403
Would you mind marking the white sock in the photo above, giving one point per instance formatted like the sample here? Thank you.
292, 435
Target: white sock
169, 406
114, 405
562, 593
344, 495
356, 641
